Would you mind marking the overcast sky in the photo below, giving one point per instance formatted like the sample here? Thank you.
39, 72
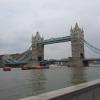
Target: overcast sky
19, 19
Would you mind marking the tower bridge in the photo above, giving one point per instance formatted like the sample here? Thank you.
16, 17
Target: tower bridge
77, 47
36, 50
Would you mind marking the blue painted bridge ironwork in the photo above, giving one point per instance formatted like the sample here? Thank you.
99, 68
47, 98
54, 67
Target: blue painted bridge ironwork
28, 54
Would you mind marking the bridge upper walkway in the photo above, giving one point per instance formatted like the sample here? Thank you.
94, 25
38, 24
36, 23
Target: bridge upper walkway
56, 40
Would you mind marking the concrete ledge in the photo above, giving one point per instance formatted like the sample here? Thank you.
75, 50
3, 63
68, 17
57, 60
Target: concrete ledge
85, 91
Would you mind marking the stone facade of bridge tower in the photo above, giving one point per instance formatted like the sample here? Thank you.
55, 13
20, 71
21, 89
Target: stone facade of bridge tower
37, 48
77, 34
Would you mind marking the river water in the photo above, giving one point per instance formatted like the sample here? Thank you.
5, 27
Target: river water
19, 83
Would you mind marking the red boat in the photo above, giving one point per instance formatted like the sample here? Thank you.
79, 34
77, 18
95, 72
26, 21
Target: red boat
24, 67
37, 66
7, 68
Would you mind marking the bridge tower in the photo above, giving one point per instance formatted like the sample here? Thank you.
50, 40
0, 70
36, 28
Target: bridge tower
77, 46
37, 48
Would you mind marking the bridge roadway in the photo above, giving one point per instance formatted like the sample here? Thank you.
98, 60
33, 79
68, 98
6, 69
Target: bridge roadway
62, 60
86, 59
65, 60
92, 59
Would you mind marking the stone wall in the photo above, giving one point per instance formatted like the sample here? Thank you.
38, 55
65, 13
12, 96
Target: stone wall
84, 91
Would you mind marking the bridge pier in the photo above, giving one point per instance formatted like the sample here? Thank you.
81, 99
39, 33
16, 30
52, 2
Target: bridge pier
86, 63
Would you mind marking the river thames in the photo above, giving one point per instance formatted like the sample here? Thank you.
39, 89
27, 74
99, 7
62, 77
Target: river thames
17, 83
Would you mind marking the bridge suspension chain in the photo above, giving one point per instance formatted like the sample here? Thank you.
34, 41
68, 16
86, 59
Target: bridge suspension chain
25, 57
26, 54
93, 48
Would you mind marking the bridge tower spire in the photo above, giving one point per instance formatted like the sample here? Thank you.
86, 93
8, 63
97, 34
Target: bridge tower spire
37, 48
77, 46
